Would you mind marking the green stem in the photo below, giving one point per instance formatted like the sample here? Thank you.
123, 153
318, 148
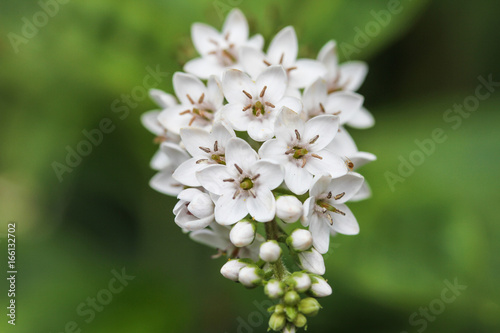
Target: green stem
273, 233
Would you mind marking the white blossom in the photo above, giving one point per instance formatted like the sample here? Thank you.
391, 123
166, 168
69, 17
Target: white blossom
288, 208
194, 211
163, 181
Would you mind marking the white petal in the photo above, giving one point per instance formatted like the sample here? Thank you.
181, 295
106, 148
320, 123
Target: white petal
312, 261
344, 103
329, 164
209, 238
222, 134
263, 207
150, 121
228, 210
362, 119
171, 120
297, 179
343, 144
364, 193
320, 185
256, 41
188, 194
164, 183
162, 99
286, 123
252, 60
275, 79
352, 75
320, 231
202, 34
192, 223
306, 73
348, 184
261, 130
325, 126
159, 160
361, 158
188, 84
204, 67
186, 172
293, 103
284, 44
233, 84
212, 178
239, 152
274, 149
347, 224
308, 211
271, 175
235, 116
215, 94
194, 138
176, 154
201, 206
314, 95
328, 56
235, 27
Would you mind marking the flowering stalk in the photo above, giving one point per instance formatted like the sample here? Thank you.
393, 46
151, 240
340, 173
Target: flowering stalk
259, 137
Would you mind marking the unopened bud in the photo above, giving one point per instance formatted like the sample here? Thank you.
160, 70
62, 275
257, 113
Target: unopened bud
300, 321
309, 306
270, 251
292, 298
301, 282
242, 233
288, 208
274, 289
291, 313
319, 287
250, 276
231, 269
277, 321
289, 329
312, 261
300, 240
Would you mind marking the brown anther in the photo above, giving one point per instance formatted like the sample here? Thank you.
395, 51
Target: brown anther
202, 97
313, 140
304, 161
192, 121
205, 149
190, 99
329, 218
216, 145
271, 105
255, 177
226, 36
339, 196
227, 54
337, 113
229, 180
247, 94
297, 134
201, 161
290, 151
213, 41
252, 193
236, 193
212, 52
266, 62
288, 70
263, 92
329, 196
238, 168
247, 107
338, 211
322, 107
317, 156
257, 113
282, 57
184, 112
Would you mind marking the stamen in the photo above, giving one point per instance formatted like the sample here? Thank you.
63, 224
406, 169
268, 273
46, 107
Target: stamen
202, 97
184, 112
236, 193
339, 196
252, 193
213, 41
349, 164
192, 120
288, 70
329, 196
290, 151
281, 59
297, 134
205, 149
226, 37
256, 176
317, 156
247, 107
228, 54
322, 107
266, 62
338, 211
304, 161
313, 140
229, 180
216, 146
212, 52
263, 91
238, 168
190, 99
337, 113
248, 95
270, 104
201, 161
329, 218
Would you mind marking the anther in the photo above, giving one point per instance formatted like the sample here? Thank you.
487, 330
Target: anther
267, 62
262, 93
252, 193
270, 104
202, 97
317, 156
236, 193
338, 211
190, 99
322, 107
288, 70
290, 151
337, 113
248, 95
226, 37
185, 112
339, 196
216, 146
205, 149
313, 140
201, 161
238, 168
229, 180
304, 161
256, 176
247, 107
213, 41
329, 218
329, 196
281, 59
297, 134
192, 120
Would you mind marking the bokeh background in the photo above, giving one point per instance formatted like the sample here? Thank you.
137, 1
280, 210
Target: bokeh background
440, 223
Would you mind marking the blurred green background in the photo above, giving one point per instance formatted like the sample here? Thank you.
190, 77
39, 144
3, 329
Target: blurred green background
440, 223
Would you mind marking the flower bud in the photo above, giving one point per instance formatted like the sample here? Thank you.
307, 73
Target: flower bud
280, 308
292, 298
242, 233
289, 329
274, 289
231, 269
301, 282
250, 276
277, 322
288, 208
312, 261
270, 251
291, 313
309, 306
319, 287
300, 240
300, 321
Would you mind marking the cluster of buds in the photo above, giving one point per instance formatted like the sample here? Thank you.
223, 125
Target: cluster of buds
255, 147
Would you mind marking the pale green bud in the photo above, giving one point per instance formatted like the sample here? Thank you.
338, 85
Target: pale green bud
292, 298
274, 289
309, 306
277, 322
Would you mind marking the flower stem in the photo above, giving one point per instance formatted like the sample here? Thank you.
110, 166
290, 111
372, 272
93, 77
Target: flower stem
273, 233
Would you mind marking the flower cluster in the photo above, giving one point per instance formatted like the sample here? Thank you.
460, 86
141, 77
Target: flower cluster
254, 146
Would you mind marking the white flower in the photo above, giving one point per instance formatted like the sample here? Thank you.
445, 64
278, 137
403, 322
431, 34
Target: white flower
283, 51
244, 184
300, 148
344, 145
242, 233
301, 282
220, 50
194, 211
312, 261
253, 105
163, 181
300, 240
270, 251
319, 287
250, 276
231, 269
288, 208
199, 104
325, 209
347, 77
205, 148
217, 236
274, 289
